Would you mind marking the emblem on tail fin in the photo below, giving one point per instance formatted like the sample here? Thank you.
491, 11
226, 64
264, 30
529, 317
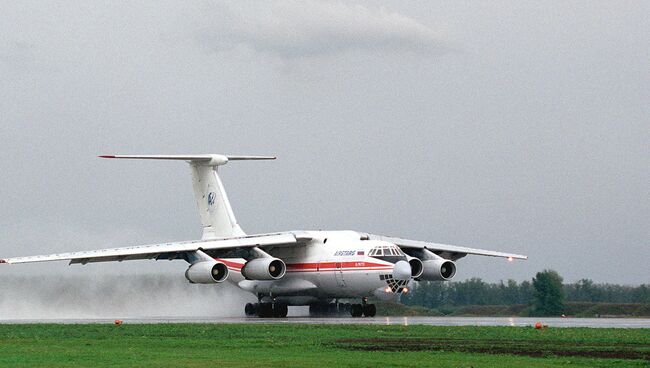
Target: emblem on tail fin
211, 197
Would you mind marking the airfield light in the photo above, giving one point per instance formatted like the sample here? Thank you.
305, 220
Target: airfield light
405, 290
387, 289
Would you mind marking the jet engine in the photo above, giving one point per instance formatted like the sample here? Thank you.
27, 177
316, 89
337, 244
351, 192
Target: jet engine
438, 270
417, 267
266, 268
207, 272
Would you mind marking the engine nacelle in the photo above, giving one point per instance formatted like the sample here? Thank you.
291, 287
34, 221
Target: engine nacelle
438, 270
417, 267
266, 268
207, 272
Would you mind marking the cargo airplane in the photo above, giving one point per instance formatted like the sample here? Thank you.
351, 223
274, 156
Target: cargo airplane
322, 269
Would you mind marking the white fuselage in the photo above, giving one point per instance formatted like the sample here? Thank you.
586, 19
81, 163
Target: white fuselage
335, 264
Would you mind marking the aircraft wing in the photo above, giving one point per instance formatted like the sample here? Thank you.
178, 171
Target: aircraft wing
452, 252
174, 250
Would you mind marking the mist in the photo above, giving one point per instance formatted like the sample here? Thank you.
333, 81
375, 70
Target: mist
116, 296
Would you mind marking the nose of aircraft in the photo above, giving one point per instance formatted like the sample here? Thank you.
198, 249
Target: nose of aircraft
402, 270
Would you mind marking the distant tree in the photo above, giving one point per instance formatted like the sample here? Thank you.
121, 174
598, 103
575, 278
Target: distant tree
582, 291
430, 294
510, 292
549, 295
641, 294
468, 292
435, 294
526, 292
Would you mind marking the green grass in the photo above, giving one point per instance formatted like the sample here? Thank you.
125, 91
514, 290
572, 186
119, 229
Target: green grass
289, 345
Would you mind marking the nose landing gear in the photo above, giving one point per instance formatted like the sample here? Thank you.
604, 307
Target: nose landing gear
369, 310
363, 309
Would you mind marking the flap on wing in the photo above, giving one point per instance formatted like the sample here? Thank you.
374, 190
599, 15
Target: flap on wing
448, 251
168, 250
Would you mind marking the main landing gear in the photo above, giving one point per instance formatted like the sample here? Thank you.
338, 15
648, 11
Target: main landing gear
342, 309
266, 310
329, 309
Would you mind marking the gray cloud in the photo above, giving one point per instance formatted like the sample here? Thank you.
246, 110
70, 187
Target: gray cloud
295, 29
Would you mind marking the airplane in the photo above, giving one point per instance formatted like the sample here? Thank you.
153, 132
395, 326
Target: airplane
319, 269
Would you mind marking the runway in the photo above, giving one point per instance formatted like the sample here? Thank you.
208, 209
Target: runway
401, 321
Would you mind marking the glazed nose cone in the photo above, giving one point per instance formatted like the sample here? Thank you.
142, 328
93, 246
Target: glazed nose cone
402, 270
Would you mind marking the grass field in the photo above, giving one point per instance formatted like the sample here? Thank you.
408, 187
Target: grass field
290, 345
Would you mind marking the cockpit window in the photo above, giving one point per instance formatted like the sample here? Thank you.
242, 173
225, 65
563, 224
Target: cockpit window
385, 250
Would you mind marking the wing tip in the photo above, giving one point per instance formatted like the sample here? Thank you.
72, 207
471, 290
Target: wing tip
3, 261
106, 156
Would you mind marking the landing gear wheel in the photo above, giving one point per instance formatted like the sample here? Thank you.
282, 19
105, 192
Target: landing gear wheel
250, 309
356, 310
280, 310
315, 310
265, 310
321, 309
369, 310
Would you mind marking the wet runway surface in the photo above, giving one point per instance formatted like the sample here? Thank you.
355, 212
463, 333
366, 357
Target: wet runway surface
402, 321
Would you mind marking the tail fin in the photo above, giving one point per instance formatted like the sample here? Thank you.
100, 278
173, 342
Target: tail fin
214, 208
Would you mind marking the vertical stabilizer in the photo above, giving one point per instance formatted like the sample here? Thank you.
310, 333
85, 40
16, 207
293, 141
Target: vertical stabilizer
216, 214
217, 217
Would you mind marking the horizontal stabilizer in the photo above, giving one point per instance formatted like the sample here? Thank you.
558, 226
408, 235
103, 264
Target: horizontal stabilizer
207, 159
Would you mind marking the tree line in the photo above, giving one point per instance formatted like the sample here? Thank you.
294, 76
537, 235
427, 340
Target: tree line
546, 293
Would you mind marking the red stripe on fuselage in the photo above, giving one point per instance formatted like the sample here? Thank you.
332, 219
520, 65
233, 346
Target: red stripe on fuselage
320, 266
337, 266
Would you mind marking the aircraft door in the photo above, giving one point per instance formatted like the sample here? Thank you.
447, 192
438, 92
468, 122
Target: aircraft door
330, 275
338, 274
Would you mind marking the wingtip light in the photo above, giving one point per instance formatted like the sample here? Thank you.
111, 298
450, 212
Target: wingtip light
510, 259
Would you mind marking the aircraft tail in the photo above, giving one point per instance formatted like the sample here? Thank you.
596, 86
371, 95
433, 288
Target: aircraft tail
217, 217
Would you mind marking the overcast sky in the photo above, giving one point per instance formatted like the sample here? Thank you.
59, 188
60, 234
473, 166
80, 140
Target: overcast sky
512, 126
